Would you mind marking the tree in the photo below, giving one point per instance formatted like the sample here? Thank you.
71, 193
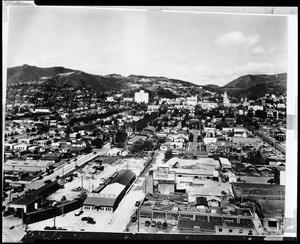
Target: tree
121, 136
161, 140
261, 114
137, 146
168, 155
219, 127
98, 143
148, 145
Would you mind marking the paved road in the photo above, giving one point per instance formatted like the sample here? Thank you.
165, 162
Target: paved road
271, 141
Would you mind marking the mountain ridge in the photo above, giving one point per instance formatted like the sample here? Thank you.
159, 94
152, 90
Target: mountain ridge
247, 85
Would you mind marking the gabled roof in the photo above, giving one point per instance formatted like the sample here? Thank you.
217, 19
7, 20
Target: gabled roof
124, 177
24, 200
113, 189
201, 201
213, 198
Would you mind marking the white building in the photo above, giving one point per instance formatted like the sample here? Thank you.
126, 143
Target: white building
192, 101
110, 99
27, 165
141, 97
21, 147
225, 99
41, 110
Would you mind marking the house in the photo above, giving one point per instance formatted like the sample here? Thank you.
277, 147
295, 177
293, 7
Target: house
265, 171
213, 201
21, 147
225, 163
52, 157
41, 142
114, 152
201, 203
79, 144
280, 175
136, 138
41, 110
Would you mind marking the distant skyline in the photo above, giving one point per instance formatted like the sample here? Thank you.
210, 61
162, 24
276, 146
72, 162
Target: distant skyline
196, 47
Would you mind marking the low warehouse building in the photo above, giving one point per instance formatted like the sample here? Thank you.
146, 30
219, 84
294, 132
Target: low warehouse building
32, 201
108, 199
27, 165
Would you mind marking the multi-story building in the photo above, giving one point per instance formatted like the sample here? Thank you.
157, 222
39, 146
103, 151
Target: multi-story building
141, 97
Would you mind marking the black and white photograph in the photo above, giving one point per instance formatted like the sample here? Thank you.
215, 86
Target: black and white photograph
148, 123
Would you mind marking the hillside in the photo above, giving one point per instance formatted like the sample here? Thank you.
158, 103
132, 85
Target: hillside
251, 86
27, 73
248, 81
255, 86
79, 79
61, 77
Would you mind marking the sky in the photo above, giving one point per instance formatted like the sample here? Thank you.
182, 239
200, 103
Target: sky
198, 47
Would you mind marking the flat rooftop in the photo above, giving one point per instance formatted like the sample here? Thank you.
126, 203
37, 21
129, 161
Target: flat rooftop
179, 202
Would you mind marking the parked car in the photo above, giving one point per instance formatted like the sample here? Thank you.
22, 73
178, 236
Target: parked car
91, 222
137, 203
87, 219
158, 224
147, 223
11, 227
15, 197
48, 228
6, 213
19, 189
133, 218
28, 191
79, 213
153, 223
165, 225
47, 181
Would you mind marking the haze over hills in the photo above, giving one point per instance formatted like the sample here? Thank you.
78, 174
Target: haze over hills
251, 86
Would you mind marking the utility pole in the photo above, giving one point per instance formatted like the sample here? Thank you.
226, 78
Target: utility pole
138, 217
63, 172
10, 195
54, 207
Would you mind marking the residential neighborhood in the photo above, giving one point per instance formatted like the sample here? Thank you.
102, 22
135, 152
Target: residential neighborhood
143, 124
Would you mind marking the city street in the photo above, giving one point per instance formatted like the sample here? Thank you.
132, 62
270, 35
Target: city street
63, 169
